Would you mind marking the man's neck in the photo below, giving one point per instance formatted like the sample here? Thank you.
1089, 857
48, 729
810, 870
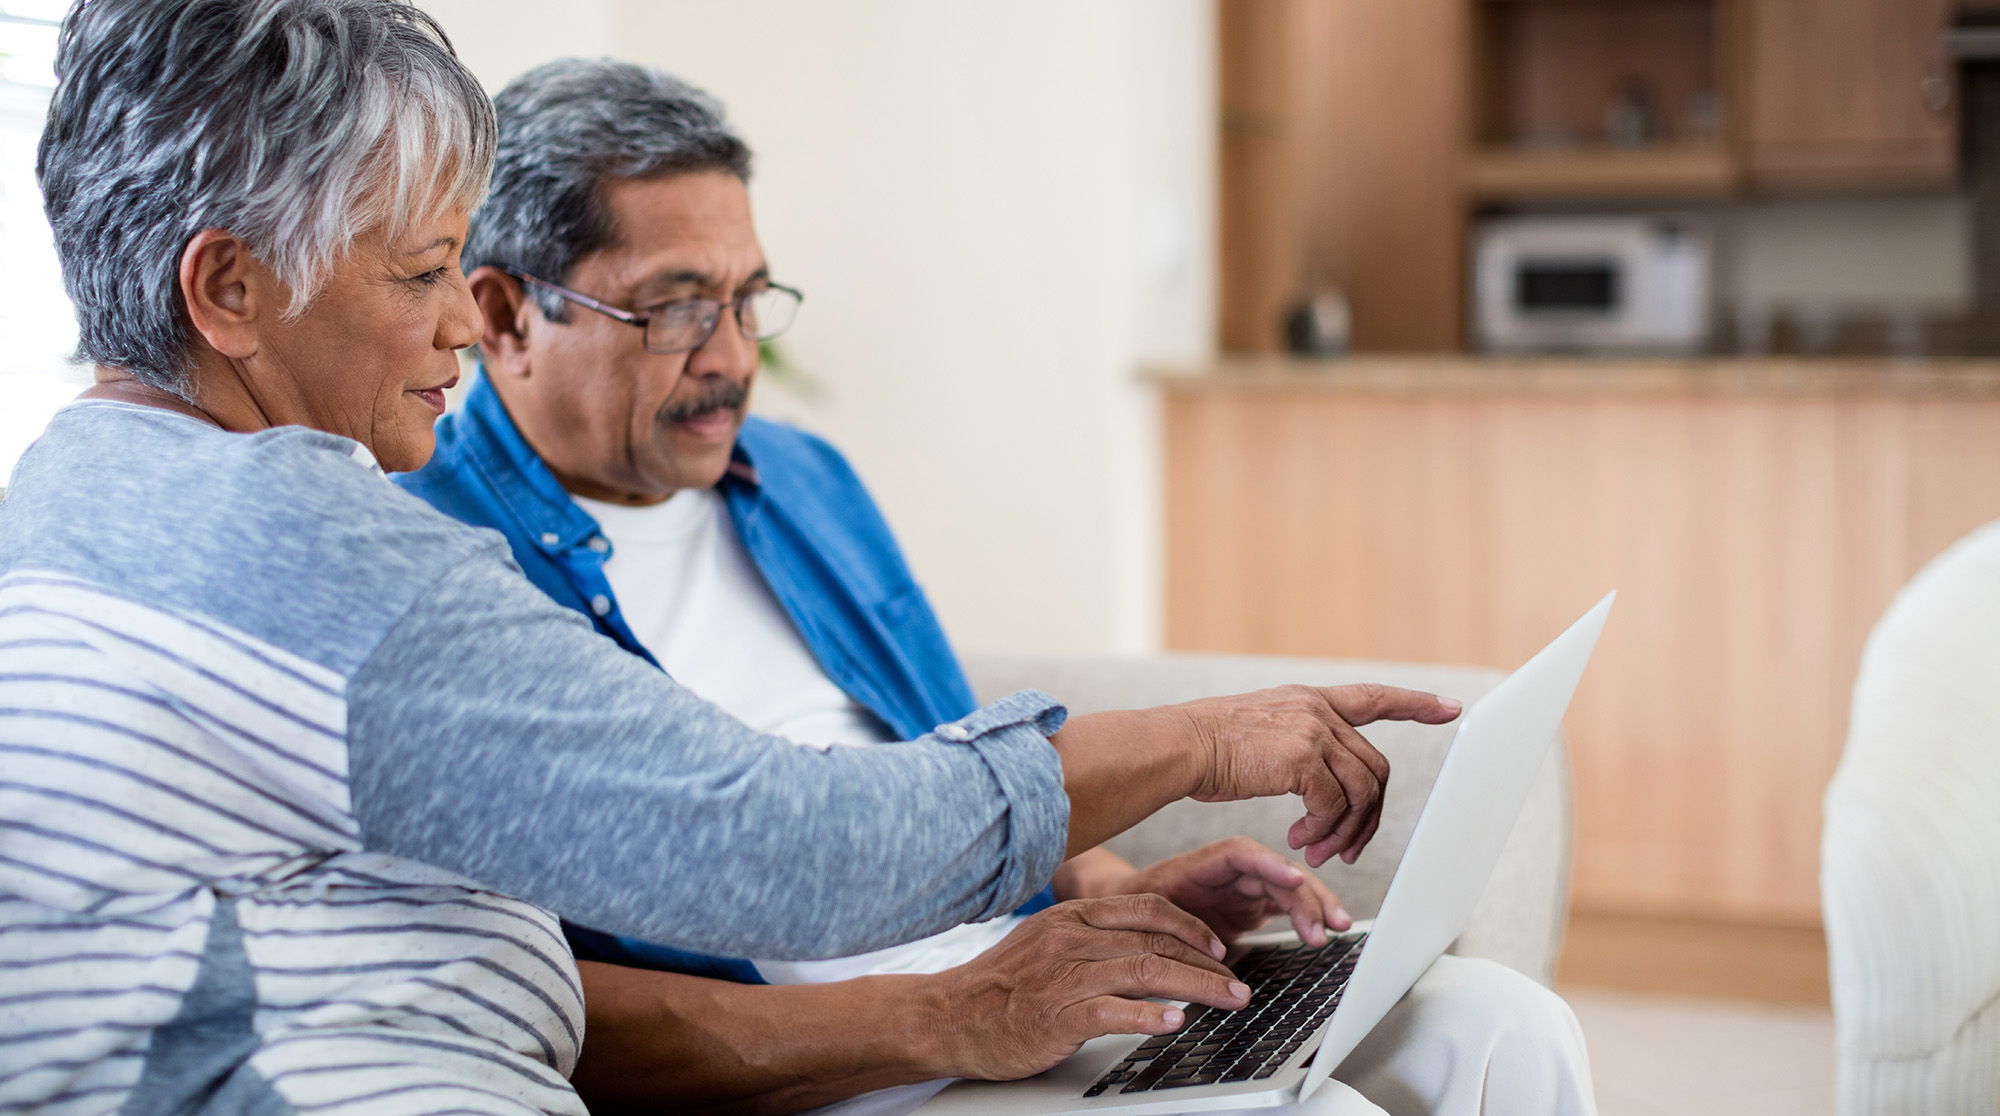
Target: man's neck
591, 490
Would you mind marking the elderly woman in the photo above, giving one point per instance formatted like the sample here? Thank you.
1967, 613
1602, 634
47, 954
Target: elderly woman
294, 764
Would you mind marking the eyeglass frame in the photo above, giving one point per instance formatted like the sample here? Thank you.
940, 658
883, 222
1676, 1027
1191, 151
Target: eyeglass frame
643, 319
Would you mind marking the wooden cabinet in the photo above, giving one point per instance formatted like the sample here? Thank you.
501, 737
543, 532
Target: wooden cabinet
1341, 163
1360, 136
1756, 518
1847, 93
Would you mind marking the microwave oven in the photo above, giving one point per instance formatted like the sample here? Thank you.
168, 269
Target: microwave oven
1591, 284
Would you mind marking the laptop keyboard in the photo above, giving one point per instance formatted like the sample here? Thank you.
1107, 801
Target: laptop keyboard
1293, 988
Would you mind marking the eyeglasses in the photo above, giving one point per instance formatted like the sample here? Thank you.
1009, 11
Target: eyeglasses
686, 324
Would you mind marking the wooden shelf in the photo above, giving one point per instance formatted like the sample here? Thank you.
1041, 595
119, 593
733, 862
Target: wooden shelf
1602, 174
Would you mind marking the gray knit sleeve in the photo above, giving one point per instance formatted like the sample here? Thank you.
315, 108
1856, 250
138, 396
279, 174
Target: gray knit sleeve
494, 734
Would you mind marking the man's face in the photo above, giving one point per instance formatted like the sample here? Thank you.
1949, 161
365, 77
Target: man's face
614, 421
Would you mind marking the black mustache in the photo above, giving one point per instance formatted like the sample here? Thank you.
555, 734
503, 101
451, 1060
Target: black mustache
725, 395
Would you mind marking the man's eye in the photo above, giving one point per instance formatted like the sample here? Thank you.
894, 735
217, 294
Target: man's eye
431, 277
684, 311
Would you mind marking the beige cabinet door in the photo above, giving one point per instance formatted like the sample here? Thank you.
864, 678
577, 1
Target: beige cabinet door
1847, 93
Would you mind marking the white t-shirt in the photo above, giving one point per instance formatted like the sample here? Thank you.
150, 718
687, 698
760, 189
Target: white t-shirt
691, 594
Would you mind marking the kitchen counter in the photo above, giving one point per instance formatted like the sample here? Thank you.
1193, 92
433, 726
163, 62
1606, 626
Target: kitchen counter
1615, 377
1755, 515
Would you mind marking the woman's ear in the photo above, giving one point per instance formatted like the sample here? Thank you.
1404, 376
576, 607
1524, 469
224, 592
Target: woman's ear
504, 310
219, 286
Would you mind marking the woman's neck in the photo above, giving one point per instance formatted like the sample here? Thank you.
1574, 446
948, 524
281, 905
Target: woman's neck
120, 386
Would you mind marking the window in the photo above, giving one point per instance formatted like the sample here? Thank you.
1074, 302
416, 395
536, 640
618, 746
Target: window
37, 326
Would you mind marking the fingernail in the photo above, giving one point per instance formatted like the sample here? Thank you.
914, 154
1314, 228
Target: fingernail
1340, 915
1174, 1017
1452, 704
1239, 990
1216, 947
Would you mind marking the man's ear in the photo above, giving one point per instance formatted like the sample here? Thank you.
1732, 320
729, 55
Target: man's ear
504, 310
222, 286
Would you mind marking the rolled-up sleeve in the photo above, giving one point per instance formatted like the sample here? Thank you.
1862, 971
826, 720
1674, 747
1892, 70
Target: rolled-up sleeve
493, 734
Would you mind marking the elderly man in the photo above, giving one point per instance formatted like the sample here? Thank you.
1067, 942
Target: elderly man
296, 767
624, 292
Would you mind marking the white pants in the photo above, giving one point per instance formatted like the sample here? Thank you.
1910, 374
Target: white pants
1472, 1038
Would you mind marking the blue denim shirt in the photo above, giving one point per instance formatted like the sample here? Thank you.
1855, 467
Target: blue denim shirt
809, 526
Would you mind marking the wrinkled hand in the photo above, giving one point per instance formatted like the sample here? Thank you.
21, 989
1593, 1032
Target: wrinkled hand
1237, 884
1301, 740
1071, 973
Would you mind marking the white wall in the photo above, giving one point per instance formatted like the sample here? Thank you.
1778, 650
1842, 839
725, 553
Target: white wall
997, 212
500, 38
1897, 252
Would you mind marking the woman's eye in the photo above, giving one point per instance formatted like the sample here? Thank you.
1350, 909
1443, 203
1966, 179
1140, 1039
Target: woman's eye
431, 277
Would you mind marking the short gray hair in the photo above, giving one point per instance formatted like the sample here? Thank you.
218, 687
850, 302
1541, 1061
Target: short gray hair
296, 125
568, 127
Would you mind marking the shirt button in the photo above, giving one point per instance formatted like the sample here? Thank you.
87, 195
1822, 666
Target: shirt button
954, 732
600, 604
598, 544
550, 538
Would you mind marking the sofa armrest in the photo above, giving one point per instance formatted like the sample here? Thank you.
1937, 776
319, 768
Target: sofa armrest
1519, 919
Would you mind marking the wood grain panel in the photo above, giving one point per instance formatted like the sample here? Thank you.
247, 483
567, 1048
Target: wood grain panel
1754, 541
1263, 115
1848, 93
1343, 139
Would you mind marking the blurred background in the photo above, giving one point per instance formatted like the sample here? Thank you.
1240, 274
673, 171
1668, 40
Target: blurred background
1393, 329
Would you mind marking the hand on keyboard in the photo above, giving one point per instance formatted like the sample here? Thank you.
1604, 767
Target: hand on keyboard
1294, 988
1071, 973
1236, 885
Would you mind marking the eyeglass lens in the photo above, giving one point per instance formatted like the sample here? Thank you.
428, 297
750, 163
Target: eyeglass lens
683, 326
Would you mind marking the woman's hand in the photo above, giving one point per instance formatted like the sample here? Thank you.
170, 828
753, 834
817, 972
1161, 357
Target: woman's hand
1302, 739
1119, 767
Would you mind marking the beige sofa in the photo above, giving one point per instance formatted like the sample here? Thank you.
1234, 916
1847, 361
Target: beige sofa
1518, 921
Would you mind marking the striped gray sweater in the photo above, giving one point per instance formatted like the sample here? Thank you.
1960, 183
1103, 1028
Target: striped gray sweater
293, 769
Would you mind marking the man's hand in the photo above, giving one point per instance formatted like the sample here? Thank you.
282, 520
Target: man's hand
1071, 973
1237, 884
1301, 739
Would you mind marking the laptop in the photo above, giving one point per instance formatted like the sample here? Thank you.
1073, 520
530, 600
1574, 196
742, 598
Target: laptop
1311, 1006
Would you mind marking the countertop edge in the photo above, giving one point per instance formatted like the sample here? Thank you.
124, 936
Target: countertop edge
1579, 377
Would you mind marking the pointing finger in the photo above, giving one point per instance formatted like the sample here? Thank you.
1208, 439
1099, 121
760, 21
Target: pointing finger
1363, 702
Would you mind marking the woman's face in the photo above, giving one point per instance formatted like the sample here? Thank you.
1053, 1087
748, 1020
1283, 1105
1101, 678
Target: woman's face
372, 355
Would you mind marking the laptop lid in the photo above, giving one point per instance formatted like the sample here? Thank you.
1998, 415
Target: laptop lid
1473, 805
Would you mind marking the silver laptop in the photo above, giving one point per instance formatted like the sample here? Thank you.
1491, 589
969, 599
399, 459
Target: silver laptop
1311, 1006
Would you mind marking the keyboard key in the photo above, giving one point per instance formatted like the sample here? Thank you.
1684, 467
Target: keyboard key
1097, 1089
1146, 1077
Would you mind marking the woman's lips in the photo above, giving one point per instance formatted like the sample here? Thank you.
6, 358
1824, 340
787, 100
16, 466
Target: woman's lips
434, 397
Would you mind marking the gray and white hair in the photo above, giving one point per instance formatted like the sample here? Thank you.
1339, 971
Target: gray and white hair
296, 125
568, 127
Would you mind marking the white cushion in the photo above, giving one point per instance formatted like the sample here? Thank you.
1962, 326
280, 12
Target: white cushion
1910, 856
